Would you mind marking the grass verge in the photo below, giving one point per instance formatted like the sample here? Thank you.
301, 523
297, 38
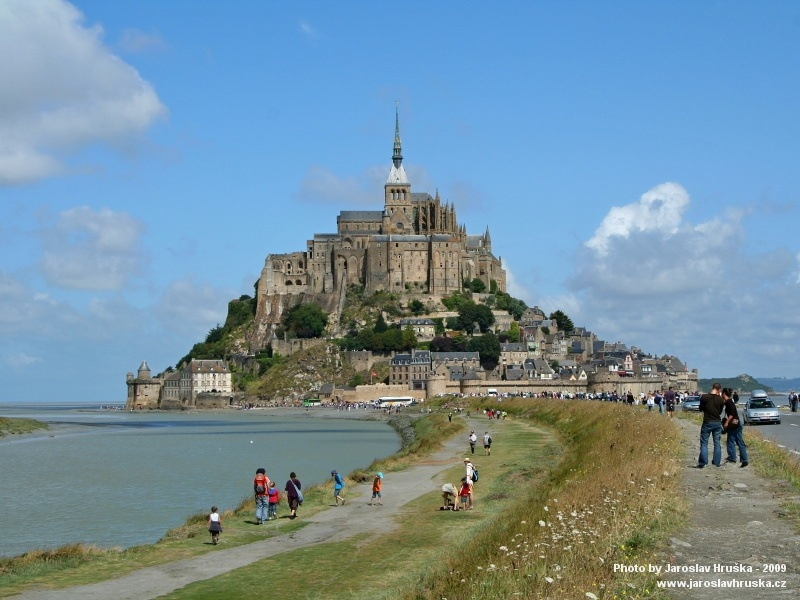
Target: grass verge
10, 426
553, 517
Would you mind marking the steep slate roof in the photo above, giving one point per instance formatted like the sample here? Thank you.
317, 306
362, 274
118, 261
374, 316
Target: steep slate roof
456, 356
347, 216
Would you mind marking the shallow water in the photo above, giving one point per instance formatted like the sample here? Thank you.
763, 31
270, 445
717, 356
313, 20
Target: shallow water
112, 478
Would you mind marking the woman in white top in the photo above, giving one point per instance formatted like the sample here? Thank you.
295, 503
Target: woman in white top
214, 525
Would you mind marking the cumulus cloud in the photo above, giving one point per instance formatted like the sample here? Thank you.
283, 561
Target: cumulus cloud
658, 212
63, 90
92, 250
651, 278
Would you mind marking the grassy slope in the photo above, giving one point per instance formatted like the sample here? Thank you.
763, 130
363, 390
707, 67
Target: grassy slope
551, 520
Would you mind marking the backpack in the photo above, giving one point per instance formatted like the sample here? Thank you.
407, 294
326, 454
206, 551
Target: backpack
474, 474
260, 489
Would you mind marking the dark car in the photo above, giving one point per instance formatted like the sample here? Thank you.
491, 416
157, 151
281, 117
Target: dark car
691, 403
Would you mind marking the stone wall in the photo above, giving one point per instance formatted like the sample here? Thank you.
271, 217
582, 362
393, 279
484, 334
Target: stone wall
288, 347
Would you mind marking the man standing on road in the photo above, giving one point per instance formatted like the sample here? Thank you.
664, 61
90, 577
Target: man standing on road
711, 406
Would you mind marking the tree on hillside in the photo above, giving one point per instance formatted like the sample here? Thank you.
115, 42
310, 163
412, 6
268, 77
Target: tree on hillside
380, 324
488, 346
305, 321
564, 322
416, 307
470, 313
442, 344
512, 305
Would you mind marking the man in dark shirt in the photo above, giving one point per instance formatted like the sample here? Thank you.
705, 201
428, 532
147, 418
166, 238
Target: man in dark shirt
711, 407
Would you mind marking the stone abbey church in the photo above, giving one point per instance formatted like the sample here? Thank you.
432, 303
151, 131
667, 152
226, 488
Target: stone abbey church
414, 245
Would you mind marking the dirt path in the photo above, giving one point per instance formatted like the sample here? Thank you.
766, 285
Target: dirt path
736, 522
355, 517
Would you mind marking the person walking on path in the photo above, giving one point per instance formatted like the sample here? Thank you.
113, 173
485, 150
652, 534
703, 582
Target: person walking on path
260, 487
650, 402
711, 405
487, 444
473, 439
274, 497
377, 486
669, 401
338, 484
470, 477
214, 525
733, 427
293, 494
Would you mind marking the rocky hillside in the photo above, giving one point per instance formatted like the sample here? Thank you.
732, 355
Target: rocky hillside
742, 383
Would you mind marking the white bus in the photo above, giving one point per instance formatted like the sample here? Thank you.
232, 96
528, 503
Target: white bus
389, 401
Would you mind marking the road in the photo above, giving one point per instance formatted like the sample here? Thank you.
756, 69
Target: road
787, 433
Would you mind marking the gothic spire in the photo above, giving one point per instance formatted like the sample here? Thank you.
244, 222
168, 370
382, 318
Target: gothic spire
397, 174
397, 155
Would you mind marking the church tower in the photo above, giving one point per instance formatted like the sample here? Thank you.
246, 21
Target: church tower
398, 213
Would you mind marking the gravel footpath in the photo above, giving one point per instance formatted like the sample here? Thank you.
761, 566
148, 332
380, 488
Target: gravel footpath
354, 518
737, 531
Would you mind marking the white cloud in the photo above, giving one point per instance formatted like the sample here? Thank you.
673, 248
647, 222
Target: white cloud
63, 90
92, 250
20, 360
136, 42
322, 186
307, 29
650, 278
191, 309
658, 212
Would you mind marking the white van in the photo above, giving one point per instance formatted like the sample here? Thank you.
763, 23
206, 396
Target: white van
492, 393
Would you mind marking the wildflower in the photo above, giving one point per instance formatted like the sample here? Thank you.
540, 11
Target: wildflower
541, 523
549, 579
503, 548
546, 509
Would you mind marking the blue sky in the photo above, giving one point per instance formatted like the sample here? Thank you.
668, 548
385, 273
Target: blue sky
635, 162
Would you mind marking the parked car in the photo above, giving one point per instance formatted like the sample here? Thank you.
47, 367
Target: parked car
761, 410
691, 403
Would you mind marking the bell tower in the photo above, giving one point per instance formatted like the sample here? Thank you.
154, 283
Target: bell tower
398, 213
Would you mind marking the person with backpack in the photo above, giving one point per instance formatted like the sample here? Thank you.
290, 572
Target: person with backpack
487, 444
338, 484
260, 489
293, 494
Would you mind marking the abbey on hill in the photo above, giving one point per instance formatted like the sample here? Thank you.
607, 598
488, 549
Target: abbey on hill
413, 245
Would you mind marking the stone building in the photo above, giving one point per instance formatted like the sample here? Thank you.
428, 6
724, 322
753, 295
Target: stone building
144, 391
199, 384
413, 245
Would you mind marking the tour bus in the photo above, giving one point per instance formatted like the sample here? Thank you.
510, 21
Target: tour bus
390, 401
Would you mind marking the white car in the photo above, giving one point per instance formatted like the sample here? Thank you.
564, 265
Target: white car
761, 410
